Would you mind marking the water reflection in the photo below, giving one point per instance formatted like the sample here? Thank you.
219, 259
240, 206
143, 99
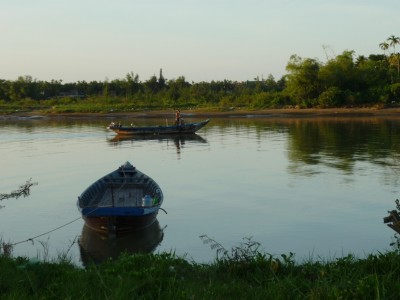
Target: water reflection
341, 145
97, 247
179, 140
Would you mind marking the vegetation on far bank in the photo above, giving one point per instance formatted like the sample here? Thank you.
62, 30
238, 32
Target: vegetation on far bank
344, 80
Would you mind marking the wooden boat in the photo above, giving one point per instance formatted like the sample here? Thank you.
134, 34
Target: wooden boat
125, 199
167, 129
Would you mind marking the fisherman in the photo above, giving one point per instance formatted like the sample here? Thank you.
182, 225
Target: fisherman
178, 117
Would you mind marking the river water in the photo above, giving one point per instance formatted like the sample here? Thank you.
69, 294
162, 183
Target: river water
318, 188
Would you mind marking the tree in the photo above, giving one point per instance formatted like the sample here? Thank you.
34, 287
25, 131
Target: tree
393, 41
106, 91
131, 84
303, 85
177, 88
340, 72
373, 73
271, 84
152, 84
22, 88
384, 46
161, 81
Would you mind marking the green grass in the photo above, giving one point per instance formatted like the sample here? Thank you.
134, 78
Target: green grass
241, 273
97, 105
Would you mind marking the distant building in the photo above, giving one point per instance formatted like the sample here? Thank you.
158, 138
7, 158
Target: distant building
72, 94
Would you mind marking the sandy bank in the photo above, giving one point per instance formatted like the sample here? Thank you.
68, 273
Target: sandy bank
265, 113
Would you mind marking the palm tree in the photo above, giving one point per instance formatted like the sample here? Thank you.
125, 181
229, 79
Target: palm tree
360, 59
384, 46
393, 41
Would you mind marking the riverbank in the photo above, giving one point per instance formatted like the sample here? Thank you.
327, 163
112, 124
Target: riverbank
165, 276
264, 113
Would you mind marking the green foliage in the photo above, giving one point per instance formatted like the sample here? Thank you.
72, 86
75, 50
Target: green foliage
395, 92
331, 97
302, 81
340, 72
342, 80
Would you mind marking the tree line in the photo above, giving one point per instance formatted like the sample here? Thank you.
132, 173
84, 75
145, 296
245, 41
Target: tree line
345, 80
342, 80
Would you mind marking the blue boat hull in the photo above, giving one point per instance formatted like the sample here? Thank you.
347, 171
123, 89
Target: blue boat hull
154, 130
126, 199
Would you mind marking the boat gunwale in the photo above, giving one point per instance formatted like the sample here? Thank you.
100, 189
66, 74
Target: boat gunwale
189, 128
145, 183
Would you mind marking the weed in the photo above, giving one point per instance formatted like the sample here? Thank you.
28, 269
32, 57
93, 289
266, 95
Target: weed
247, 251
6, 249
23, 191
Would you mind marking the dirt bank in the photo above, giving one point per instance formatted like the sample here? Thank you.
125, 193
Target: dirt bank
265, 113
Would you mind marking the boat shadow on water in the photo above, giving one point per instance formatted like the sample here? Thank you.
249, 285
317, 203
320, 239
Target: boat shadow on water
179, 140
176, 138
97, 247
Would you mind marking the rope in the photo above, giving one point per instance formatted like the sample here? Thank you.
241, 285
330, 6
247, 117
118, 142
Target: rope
50, 231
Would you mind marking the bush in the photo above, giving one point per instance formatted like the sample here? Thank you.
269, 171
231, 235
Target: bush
332, 97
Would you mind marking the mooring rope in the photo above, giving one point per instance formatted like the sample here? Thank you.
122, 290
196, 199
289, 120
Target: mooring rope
50, 231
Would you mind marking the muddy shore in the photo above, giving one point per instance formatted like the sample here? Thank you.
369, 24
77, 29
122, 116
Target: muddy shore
265, 113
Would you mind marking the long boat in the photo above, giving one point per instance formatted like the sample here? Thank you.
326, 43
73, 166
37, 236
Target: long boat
123, 200
167, 129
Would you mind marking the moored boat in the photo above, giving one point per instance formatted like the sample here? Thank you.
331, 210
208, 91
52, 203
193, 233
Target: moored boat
162, 129
125, 199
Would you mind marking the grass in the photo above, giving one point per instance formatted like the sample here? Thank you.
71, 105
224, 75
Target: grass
240, 273
89, 105
111, 105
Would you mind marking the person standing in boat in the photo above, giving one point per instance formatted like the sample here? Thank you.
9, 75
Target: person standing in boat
178, 117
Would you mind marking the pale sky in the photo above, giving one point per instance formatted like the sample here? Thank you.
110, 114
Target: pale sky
203, 40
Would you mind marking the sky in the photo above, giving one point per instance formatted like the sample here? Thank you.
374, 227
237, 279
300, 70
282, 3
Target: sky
202, 40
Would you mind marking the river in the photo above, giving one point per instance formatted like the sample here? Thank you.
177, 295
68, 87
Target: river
316, 187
